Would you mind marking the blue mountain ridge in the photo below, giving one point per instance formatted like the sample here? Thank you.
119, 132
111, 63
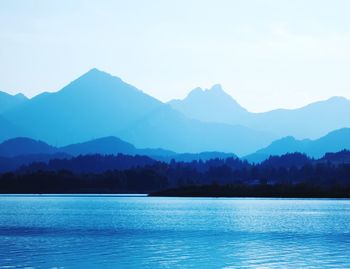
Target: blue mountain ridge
100, 105
8, 101
215, 105
25, 150
334, 141
22, 150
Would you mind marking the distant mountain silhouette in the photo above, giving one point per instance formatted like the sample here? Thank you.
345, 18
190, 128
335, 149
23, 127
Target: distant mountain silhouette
100, 105
333, 142
211, 105
167, 128
215, 105
106, 145
312, 121
113, 145
28, 148
8, 101
95, 105
25, 146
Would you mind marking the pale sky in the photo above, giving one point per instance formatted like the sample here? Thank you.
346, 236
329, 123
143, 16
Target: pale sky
266, 53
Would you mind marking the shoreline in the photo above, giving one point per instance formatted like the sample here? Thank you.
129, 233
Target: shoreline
256, 191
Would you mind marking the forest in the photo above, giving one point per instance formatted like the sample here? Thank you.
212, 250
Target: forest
290, 175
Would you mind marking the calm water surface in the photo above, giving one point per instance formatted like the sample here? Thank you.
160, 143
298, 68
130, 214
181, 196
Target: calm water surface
143, 232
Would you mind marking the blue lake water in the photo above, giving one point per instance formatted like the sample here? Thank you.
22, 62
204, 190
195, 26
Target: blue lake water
144, 232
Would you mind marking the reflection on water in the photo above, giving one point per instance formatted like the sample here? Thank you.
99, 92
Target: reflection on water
143, 232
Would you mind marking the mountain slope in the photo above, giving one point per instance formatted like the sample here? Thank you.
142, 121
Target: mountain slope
215, 105
106, 145
167, 128
22, 150
210, 105
24, 146
312, 121
95, 105
8, 101
333, 142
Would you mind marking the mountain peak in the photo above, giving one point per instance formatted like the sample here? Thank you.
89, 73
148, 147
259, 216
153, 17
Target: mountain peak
21, 96
216, 90
17, 95
210, 105
216, 87
337, 98
9, 101
24, 146
94, 69
95, 73
95, 82
195, 92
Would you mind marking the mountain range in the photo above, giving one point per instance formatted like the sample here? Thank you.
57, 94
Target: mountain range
22, 150
8, 101
332, 142
98, 105
312, 121
211, 105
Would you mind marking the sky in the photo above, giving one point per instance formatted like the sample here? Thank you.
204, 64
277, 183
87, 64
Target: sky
266, 53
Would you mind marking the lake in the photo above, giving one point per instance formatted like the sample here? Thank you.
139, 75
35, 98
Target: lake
88, 231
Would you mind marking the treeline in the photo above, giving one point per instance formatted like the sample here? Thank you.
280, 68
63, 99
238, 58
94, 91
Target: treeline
139, 174
301, 190
137, 180
90, 163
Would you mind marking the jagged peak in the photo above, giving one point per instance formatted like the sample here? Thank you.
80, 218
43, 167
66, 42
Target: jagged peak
216, 87
20, 95
195, 91
17, 95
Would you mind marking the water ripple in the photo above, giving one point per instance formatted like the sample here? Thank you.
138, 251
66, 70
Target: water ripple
142, 232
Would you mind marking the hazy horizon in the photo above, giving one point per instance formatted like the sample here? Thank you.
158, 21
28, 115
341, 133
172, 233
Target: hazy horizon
266, 55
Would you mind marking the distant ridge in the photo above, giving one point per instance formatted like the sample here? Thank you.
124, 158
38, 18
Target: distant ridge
105, 145
8, 101
94, 105
23, 146
100, 105
333, 142
211, 105
215, 105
